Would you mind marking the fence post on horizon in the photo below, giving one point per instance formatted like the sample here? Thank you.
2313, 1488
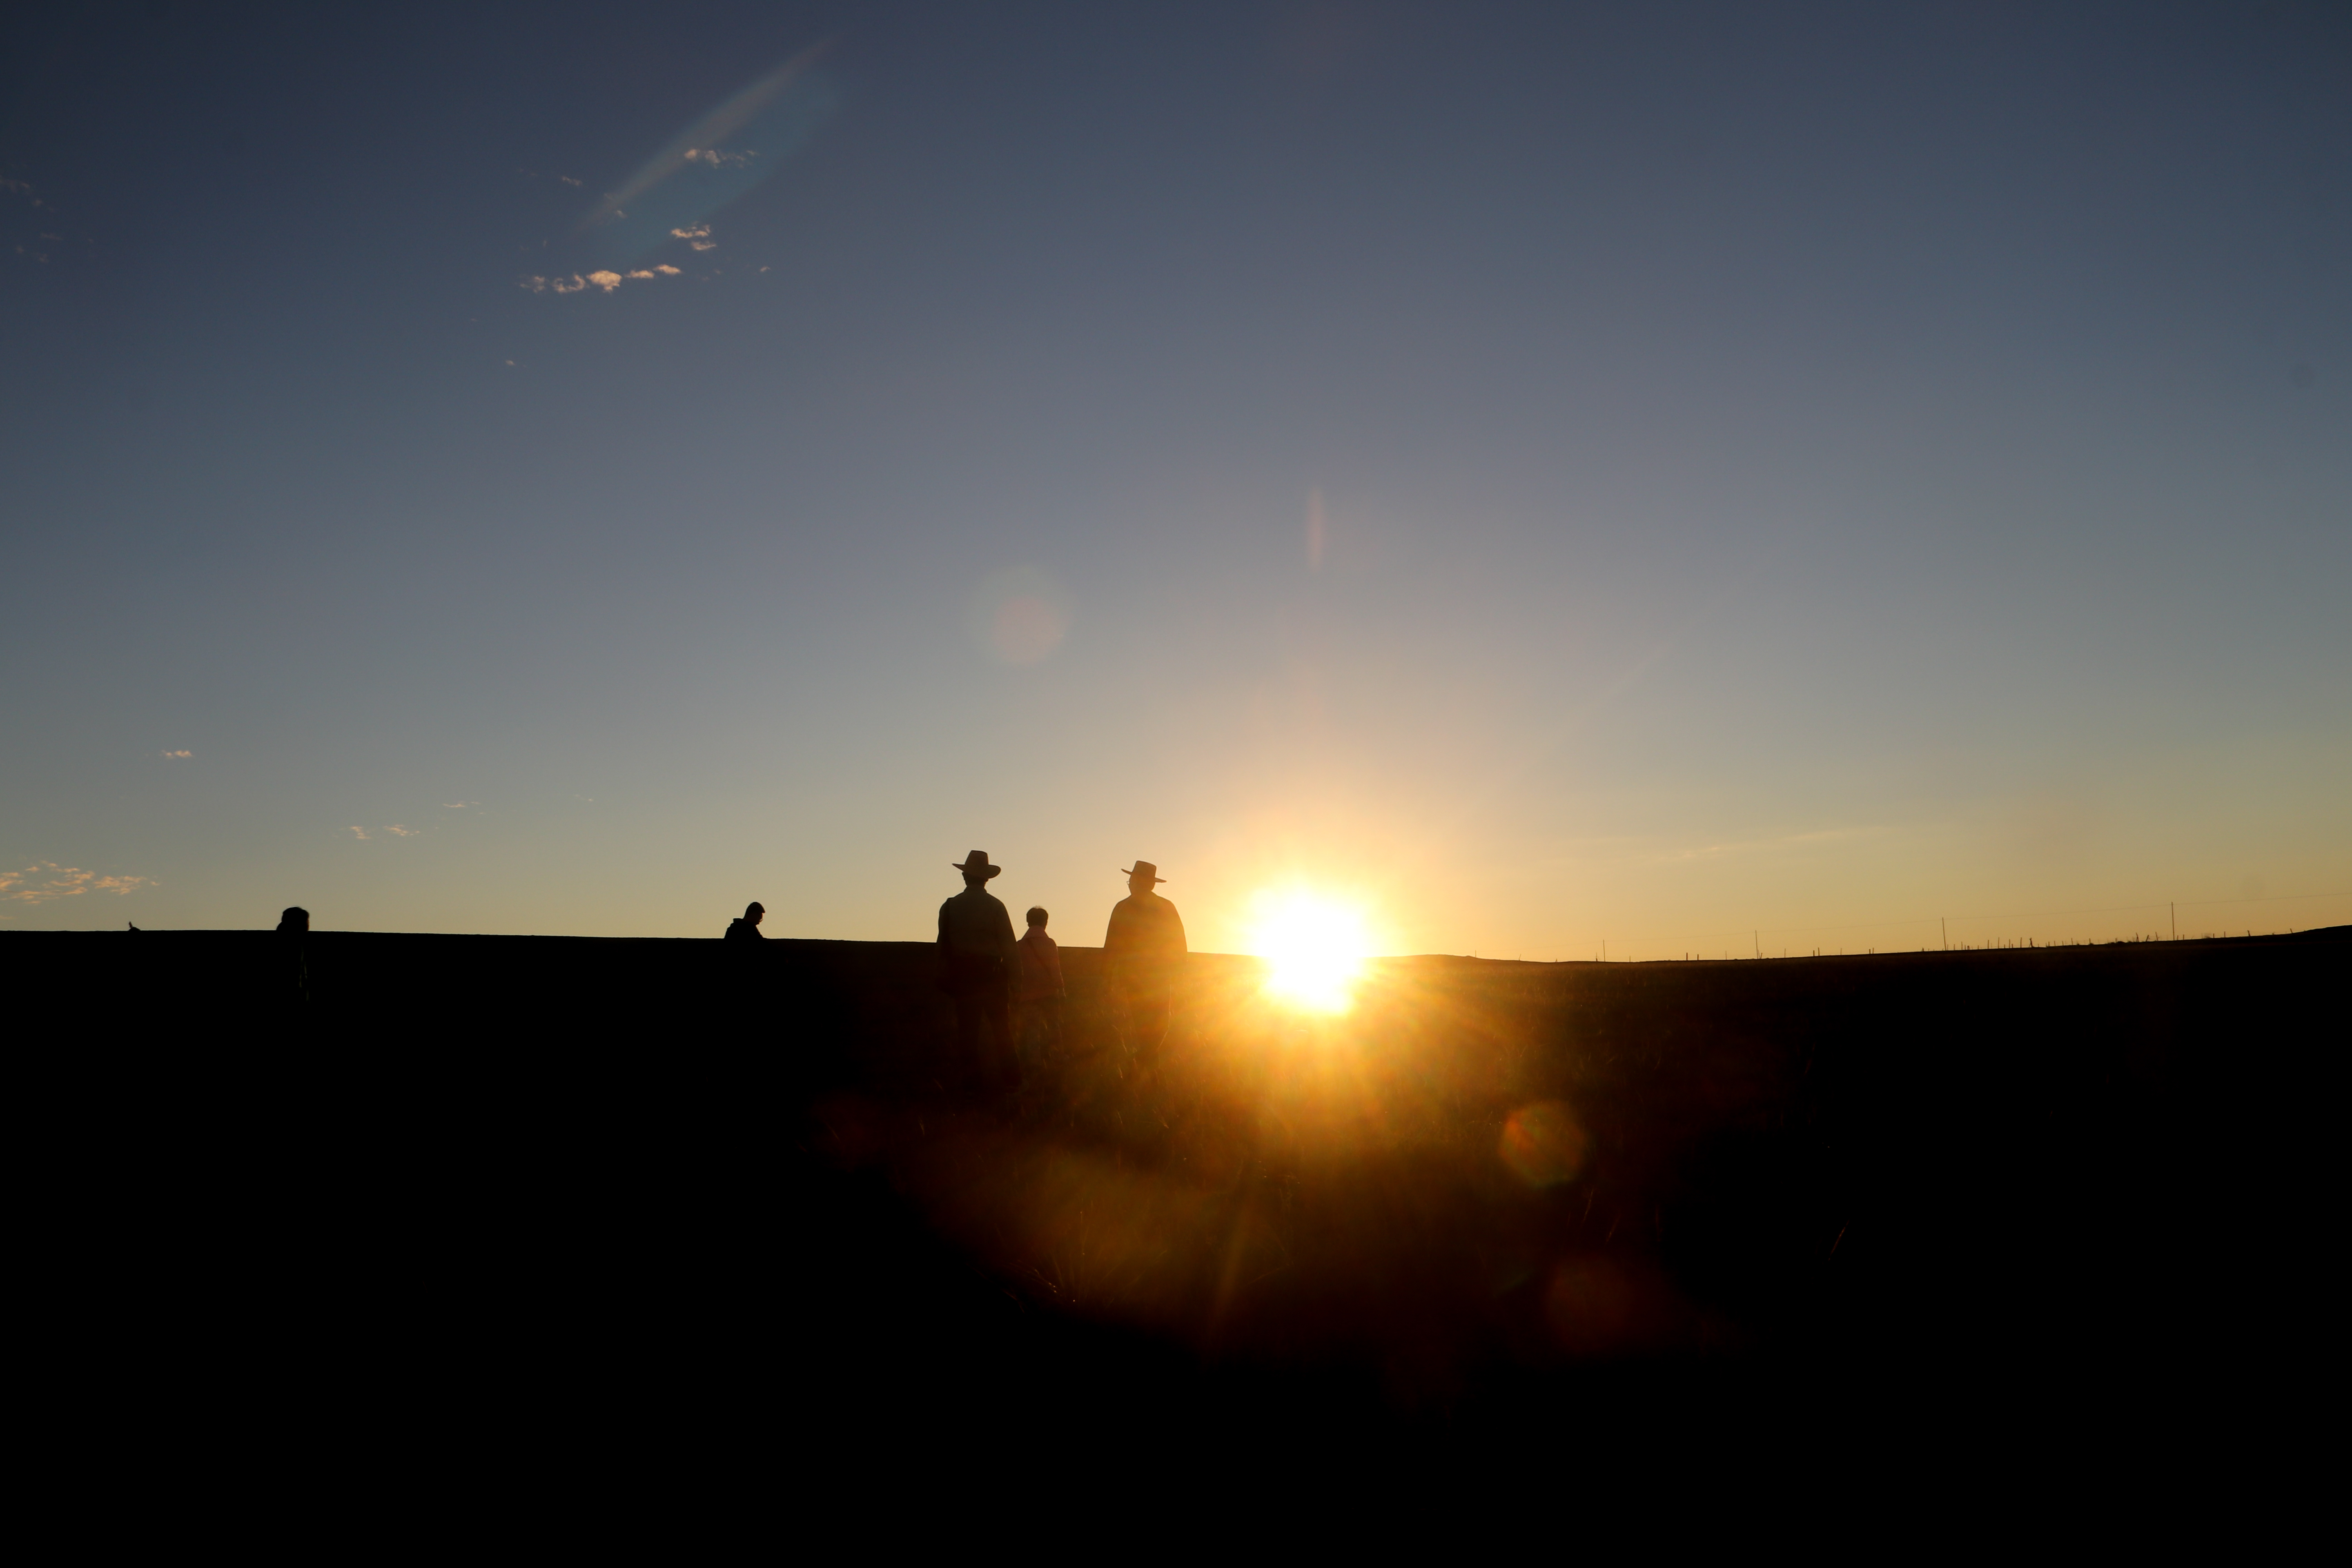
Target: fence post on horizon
1946, 927
2172, 912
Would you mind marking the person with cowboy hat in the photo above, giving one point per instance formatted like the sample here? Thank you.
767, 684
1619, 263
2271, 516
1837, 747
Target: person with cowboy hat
1144, 947
976, 958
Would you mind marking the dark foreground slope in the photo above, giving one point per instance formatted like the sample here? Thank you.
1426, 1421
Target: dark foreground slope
534, 1190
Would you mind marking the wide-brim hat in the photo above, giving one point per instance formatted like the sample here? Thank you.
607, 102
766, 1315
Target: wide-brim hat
977, 862
1144, 869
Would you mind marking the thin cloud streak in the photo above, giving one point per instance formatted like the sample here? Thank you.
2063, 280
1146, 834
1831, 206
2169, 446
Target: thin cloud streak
601, 279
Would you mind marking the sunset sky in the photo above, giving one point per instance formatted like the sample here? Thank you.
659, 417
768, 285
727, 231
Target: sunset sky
1685, 478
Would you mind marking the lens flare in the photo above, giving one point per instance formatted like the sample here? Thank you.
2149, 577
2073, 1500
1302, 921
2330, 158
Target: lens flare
1314, 947
1020, 616
1543, 1144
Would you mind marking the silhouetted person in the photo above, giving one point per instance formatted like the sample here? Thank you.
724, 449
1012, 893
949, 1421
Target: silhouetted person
748, 928
1144, 948
1037, 992
294, 960
976, 958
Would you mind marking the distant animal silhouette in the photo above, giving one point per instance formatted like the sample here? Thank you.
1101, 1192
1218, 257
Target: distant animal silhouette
976, 958
1144, 947
746, 928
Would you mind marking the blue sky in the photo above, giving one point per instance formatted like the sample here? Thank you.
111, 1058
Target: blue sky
1556, 474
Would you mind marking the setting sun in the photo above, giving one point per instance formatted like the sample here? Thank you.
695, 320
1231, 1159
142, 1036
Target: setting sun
1314, 947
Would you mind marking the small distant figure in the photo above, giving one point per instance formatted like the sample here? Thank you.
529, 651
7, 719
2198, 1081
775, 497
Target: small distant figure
1037, 992
747, 929
976, 959
1144, 948
293, 940
133, 924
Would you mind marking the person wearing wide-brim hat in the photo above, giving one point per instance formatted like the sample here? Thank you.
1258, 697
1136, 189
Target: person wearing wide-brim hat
976, 957
1144, 948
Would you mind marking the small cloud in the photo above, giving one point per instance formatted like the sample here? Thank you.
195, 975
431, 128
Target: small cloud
696, 235
567, 179
45, 880
179, 753
399, 831
718, 160
458, 804
509, 363
606, 280
359, 832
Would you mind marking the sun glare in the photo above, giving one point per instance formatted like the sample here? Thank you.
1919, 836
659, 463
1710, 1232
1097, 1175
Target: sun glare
1314, 947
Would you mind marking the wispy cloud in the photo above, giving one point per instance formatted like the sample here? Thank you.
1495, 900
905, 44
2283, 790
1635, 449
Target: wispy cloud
46, 879
458, 804
785, 89
697, 234
359, 832
399, 830
179, 753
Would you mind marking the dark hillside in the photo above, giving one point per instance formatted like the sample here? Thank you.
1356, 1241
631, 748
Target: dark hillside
569, 1178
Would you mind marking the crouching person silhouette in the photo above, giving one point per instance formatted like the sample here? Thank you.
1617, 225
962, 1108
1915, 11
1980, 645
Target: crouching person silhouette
1144, 948
976, 959
748, 928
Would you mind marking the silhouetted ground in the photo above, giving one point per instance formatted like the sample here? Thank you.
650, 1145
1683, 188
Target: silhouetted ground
512, 1187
